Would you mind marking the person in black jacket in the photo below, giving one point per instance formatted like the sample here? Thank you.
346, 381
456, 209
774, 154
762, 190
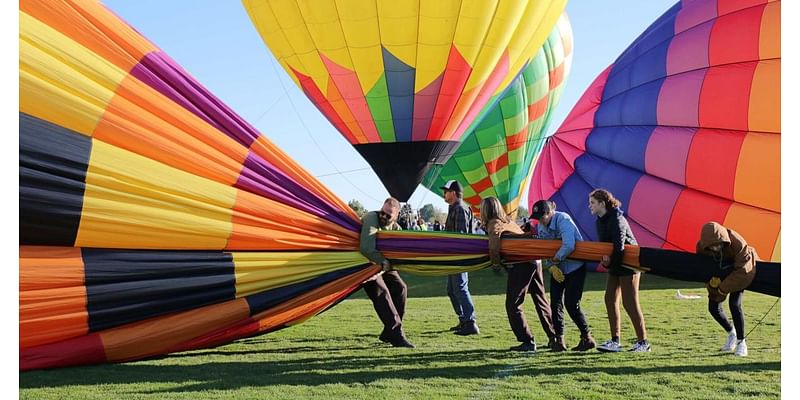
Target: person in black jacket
612, 227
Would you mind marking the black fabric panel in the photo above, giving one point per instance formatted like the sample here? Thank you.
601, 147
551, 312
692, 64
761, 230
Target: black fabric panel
401, 166
262, 301
124, 286
701, 268
52, 174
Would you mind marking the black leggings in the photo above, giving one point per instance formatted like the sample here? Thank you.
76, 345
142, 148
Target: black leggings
568, 293
735, 304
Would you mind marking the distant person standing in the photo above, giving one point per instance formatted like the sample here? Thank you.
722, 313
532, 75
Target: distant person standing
437, 226
387, 290
612, 227
459, 219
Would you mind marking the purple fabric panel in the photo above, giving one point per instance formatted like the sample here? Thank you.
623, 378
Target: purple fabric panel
652, 203
679, 98
693, 13
689, 50
667, 152
644, 237
260, 177
424, 105
429, 245
162, 73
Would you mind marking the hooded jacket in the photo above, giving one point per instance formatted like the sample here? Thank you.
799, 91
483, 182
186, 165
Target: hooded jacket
734, 249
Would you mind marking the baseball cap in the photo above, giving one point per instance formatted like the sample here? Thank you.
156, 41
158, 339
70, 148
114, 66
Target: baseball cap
540, 208
452, 185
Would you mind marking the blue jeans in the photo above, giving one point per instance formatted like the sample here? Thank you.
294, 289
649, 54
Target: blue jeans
458, 291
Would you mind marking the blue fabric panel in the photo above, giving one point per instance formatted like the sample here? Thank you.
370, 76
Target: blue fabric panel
638, 106
265, 300
573, 199
601, 173
626, 145
400, 84
124, 286
52, 174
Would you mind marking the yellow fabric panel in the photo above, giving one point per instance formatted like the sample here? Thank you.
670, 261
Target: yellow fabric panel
322, 22
359, 23
134, 202
476, 18
259, 271
425, 269
437, 26
399, 21
276, 22
758, 171
529, 37
507, 16
776, 253
61, 81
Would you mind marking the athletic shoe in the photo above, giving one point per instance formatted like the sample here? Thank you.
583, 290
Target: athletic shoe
610, 346
525, 346
469, 328
586, 343
385, 336
641, 346
730, 342
559, 345
403, 342
551, 342
457, 327
741, 348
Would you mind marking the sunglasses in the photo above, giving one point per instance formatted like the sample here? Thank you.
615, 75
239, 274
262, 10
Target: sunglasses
384, 214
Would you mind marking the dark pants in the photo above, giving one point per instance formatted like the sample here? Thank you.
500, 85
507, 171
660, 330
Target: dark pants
521, 277
388, 294
568, 293
735, 304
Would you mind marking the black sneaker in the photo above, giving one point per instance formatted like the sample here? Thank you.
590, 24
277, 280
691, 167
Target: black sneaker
403, 342
457, 327
385, 336
551, 342
469, 328
524, 346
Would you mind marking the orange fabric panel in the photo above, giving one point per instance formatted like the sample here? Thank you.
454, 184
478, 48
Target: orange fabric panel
764, 114
518, 250
269, 152
758, 171
263, 224
95, 27
46, 267
52, 297
311, 303
156, 335
769, 44
143, 121
52, 315
760, 228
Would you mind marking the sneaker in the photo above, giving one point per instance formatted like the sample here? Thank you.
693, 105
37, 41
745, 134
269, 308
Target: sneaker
730, 342
469, 328
586, 343
559, 345
403, 342
525, 346
641, 346
551, 342
457, 327
741, 348
385, 336
610, 346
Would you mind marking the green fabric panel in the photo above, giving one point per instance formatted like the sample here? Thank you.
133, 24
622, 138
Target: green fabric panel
381, 110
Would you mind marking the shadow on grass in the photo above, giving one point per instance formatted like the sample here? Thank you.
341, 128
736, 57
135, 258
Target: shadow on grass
403, 364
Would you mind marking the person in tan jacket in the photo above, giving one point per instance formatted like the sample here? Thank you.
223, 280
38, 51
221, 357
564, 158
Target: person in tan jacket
520, 277
737, 261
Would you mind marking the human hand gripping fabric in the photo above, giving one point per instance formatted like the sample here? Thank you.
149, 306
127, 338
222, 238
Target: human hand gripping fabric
556, 273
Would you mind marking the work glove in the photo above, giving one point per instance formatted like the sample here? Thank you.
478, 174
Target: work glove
714, 294
556, 273
714, 282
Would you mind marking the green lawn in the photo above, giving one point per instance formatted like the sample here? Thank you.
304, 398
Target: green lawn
337, 355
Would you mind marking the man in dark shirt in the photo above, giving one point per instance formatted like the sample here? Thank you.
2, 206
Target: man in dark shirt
387, 289
459, 219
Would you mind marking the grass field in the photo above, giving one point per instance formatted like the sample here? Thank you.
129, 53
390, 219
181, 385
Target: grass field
336, 355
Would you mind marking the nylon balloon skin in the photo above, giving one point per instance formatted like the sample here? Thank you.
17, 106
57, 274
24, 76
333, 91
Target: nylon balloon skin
497, 154
684, 128
403, 80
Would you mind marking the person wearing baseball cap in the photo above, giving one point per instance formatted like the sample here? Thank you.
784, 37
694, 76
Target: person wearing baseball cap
459, 219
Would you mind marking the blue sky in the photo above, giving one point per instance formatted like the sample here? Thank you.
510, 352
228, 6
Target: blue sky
216, 42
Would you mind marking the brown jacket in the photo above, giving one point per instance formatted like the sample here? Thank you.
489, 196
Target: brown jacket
495, 229
734, 249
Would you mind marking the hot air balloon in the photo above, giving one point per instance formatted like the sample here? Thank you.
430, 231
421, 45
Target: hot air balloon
684, 128
403, 80
497, 154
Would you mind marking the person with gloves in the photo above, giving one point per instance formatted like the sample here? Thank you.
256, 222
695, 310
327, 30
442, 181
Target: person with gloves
737, 262
566, 276
520, 277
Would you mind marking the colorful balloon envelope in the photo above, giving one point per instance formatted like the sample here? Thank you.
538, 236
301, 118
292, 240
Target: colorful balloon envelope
403, 80
684, 128
497, 155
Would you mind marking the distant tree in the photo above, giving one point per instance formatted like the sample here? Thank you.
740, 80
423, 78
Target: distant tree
522, 212
357, 207
428, 212
440, 216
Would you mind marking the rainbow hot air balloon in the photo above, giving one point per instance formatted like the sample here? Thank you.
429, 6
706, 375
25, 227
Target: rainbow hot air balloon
403, 80
497, 154
684, 128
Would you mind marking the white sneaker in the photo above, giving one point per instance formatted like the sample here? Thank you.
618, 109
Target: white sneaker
741, 348
641, 346
730, 342
610, 346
